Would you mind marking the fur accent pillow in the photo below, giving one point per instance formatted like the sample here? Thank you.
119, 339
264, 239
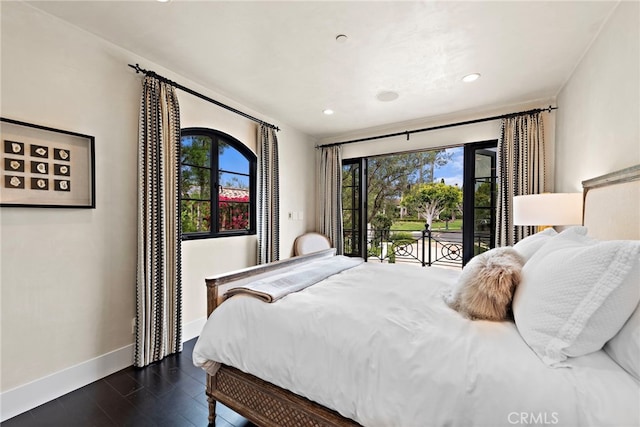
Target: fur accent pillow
487, 284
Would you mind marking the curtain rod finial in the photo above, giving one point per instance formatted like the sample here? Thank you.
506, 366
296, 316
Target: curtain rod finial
136, 67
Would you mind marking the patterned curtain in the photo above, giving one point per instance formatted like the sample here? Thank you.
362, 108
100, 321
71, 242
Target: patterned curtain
268, 196
158, 287
330, 195
521, 171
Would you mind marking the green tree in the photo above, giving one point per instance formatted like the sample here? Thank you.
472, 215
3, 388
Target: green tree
483, 194
388, 177
194, 183
382, 223
196, 161
428, 161
431, 199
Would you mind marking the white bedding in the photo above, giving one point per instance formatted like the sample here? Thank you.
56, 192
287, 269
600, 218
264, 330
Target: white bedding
378, 344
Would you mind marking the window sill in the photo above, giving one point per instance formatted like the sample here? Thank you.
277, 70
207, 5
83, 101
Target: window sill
195, 236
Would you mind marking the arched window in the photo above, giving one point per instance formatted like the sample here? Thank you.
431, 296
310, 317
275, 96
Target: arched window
217, 185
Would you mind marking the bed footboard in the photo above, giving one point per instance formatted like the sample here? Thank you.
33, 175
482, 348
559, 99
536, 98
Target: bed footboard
266, 404
219, 284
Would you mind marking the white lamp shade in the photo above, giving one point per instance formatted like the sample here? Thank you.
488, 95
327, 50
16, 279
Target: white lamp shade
548, 209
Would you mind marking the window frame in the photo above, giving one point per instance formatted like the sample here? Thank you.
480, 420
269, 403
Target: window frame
217, 137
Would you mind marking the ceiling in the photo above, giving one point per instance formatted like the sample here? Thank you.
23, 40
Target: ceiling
282, 58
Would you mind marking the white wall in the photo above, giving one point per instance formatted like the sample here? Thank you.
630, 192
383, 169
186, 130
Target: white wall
68, 275
598, 128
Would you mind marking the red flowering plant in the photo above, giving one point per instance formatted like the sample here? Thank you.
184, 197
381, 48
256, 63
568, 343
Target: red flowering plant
233, 212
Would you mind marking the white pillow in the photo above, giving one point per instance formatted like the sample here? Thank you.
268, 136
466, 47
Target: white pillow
624, 348
530, 245
576, 293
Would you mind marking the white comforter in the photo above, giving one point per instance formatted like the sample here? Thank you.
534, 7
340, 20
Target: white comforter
377, 344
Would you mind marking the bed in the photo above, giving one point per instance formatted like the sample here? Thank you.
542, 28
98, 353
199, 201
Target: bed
357, 349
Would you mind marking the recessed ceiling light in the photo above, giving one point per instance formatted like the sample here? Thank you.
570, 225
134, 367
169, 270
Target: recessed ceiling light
471, 77
387, 96
341, 38
328, 112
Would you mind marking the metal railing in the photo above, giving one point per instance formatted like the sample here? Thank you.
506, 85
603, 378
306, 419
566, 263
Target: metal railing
424, 246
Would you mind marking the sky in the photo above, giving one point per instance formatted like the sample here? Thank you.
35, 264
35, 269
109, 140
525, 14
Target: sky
452, 172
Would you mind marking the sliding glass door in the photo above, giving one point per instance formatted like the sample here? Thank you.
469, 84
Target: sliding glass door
408, 189
354, 206
480, 189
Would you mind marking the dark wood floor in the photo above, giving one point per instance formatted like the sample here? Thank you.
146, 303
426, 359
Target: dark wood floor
168, 393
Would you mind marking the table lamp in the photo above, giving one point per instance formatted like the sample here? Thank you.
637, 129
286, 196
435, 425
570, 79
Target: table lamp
548, 209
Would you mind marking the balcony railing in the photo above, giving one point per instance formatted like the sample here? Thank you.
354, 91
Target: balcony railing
427, 247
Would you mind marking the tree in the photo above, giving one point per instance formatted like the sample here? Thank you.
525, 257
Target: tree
194, 183
381, 223
388, 177
428, 161
431, 199
483, 195
195, 153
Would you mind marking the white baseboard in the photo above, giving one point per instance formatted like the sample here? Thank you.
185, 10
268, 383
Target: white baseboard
28, 396
192, 329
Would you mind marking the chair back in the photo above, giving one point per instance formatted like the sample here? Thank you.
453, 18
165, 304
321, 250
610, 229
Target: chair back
310, 242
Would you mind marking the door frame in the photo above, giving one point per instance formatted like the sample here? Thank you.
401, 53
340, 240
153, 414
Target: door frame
468, 198
362, 208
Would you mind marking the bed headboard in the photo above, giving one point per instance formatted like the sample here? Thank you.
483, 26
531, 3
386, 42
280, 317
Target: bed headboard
612, 205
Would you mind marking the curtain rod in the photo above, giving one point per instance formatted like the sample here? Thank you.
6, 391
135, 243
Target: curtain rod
468, 122
201, 96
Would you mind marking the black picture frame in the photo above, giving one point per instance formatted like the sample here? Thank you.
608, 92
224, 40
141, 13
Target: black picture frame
44, 167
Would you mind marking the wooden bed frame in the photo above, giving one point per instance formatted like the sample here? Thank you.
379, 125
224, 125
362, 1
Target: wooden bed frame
261, 402
268, 405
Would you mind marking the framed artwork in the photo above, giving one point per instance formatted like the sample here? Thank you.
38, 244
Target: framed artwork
45, 167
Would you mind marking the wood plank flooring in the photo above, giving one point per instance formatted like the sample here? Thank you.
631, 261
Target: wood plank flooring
167, 393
